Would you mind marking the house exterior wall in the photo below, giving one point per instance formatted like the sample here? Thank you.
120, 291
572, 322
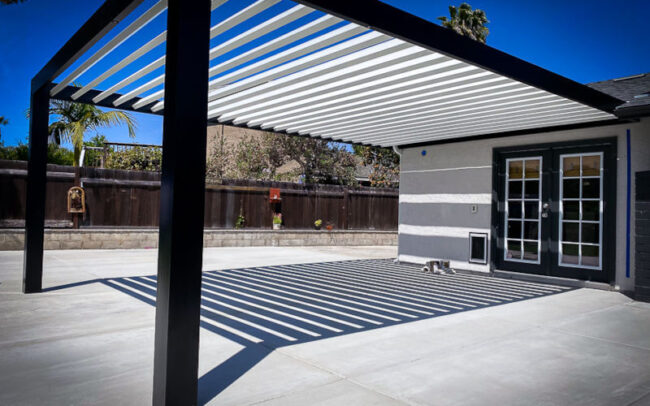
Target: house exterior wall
438, 191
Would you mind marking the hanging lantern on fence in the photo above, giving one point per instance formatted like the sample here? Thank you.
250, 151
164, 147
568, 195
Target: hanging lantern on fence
76, 200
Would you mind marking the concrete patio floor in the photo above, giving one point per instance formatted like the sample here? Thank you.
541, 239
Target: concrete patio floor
88, 338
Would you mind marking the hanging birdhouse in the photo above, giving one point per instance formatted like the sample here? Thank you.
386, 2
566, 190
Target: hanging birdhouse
76, 200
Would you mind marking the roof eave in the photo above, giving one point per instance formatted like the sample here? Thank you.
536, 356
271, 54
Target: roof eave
633, 111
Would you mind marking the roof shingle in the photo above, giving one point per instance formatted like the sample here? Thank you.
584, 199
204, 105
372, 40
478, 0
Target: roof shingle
634, 90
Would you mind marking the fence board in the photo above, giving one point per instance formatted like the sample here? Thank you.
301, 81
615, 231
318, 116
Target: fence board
117, 198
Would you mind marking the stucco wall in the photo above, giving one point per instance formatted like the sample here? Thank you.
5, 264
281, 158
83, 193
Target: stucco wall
438, 190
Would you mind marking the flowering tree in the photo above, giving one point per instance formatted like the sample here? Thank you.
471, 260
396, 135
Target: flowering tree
383, 163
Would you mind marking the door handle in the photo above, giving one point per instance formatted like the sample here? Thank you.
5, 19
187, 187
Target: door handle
546, 208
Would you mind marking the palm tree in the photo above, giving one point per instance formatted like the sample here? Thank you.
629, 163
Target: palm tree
3, 121
75, 119
467, 22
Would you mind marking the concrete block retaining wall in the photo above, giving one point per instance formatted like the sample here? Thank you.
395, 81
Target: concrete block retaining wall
13, 239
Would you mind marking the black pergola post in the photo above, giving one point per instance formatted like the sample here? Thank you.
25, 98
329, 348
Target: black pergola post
36, 178
110, 13
180, 252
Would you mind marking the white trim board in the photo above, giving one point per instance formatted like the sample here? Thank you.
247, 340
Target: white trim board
462, 198
440, 231
447, 169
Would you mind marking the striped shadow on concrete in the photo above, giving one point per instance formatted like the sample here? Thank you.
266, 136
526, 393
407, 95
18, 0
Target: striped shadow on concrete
269, 307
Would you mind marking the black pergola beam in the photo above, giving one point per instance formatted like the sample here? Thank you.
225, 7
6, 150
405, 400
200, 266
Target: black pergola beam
67, 92
400, 24
36, 182
100, 23
66, 95
180, 249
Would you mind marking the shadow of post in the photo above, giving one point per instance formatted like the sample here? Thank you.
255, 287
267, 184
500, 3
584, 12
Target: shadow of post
220, 377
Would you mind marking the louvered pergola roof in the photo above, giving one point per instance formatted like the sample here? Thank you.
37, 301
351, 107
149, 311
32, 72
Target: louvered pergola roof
352, 71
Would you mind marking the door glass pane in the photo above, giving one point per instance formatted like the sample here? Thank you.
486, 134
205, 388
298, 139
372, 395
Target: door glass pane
591, 165
590, 188
571, 210
513, 249
532, 210
570, 232
530, 230
590, 233
523, 177
515, 169
591, 210
532, 168
514, 190
514, 210
570, 254
532, 189
590, 255
571, 188
514, 229
571, 166
530, 251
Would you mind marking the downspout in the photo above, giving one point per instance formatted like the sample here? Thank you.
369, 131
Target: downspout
629, 204
81, 157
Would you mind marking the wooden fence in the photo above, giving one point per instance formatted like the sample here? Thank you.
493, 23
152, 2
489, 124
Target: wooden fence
117, 198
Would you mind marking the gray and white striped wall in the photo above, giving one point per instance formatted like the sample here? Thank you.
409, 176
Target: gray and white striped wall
439, 188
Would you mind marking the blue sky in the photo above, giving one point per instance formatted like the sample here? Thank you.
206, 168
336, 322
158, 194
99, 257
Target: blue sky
586, 40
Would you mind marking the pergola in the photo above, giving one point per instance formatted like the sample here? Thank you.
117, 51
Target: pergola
357, 71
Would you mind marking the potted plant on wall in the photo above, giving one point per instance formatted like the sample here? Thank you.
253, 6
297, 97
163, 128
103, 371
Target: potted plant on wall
329, 226
277, 221
318, 224
240, 222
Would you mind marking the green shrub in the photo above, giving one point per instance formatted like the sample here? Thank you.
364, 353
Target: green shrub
55, 154
59, 156
138, 158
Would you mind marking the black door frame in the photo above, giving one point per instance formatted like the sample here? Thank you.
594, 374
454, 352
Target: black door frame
609, 147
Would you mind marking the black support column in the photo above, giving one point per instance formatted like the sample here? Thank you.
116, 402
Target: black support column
36, 178
180, 251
